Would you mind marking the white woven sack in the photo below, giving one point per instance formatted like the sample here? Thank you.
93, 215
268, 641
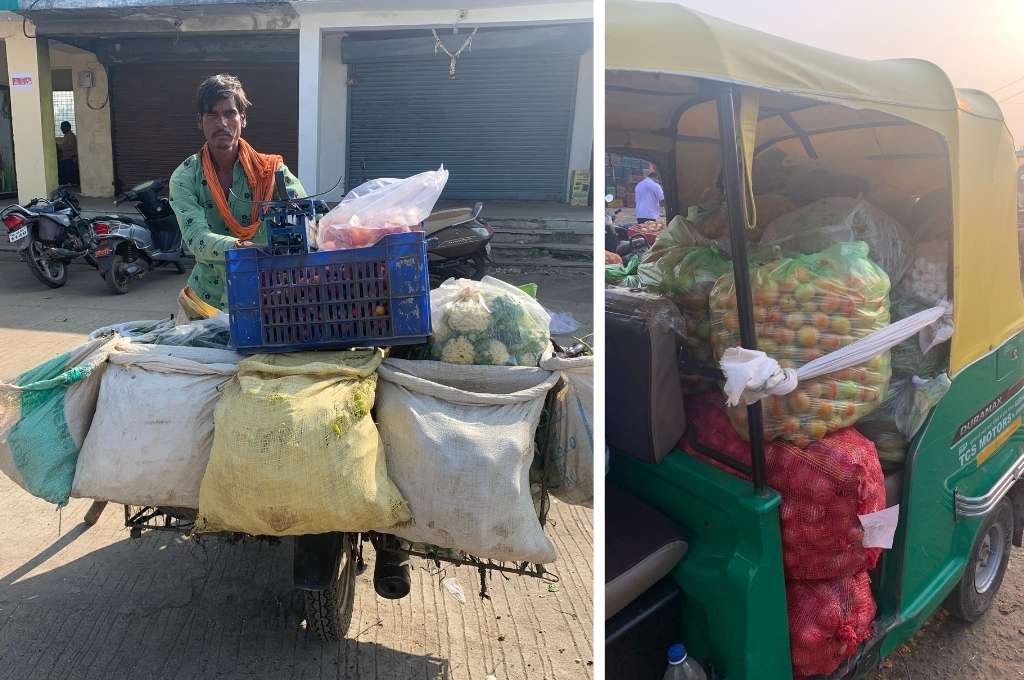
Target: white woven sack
571, 431
459, 443
150, 439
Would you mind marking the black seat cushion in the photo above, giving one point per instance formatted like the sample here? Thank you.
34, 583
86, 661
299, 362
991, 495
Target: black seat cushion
641, 547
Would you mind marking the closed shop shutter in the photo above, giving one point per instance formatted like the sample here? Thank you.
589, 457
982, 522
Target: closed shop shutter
502, 128
154, 121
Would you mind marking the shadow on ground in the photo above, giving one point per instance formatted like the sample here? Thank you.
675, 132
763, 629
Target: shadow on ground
164, 607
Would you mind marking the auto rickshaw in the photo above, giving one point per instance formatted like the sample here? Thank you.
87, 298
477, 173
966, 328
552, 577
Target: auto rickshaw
694, 553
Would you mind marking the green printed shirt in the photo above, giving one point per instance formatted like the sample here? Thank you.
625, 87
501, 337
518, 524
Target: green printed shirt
205, 233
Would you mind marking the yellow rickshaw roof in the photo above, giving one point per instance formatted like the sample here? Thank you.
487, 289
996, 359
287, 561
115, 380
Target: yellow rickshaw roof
646, 41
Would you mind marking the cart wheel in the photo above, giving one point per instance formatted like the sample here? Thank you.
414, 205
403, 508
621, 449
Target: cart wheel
92, 515
985, 569
329, 611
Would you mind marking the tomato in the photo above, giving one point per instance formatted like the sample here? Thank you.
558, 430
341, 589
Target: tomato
794, 320
800, 402
808, 336
841, 325
804, 292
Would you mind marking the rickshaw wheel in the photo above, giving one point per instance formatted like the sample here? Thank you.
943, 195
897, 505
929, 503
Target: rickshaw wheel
329, 611
985, 569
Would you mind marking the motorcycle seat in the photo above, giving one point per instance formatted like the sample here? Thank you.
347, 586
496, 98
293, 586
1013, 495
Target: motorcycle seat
128, 219
641, 548
446, 218
60, 218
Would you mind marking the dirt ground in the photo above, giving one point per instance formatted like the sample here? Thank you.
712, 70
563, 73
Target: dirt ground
78, 603
989, 649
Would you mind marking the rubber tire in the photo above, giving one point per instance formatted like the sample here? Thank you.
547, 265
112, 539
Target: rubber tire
179, 267
965, 602
117, 261
329, 611
43, 278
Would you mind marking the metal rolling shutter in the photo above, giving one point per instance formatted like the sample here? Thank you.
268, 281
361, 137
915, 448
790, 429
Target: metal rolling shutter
502, 127
153, 115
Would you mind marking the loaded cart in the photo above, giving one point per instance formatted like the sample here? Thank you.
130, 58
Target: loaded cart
339, 403
822, 440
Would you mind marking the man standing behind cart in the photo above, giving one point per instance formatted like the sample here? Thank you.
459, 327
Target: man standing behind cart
215, 193
649, 195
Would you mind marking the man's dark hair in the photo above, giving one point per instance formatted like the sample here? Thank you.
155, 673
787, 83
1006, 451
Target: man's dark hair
653, 174
218, 87
65, 126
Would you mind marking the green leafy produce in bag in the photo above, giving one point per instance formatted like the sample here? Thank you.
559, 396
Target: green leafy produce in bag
893, 426
686, 273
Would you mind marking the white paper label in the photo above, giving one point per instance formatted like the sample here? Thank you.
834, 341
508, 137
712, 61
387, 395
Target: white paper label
880, 527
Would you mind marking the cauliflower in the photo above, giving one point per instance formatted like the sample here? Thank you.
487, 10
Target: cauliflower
441, 332
497, 352
458, 350
468, 313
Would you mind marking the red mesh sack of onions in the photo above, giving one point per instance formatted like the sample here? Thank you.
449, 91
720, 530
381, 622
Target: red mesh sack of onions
823, 487
827, 622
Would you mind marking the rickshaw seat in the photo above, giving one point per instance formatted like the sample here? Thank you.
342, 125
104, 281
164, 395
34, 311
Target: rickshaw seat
642, 361
641, 547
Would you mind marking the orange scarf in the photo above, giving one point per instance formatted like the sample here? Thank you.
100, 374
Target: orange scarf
259, 171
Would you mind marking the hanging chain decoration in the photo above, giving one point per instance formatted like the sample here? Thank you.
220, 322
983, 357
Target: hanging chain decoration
439, 45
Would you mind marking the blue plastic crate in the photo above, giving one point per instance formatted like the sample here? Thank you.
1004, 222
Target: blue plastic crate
366, 297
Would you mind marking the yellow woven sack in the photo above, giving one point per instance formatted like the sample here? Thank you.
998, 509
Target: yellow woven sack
295, 450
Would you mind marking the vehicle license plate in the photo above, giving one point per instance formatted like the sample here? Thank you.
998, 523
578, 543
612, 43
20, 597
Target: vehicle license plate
18, 235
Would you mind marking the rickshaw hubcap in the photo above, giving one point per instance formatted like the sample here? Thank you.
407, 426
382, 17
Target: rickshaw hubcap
990, 556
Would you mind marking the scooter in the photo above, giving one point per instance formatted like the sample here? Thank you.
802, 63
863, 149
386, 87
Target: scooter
128, 247
618, 239
49, 233
458, 244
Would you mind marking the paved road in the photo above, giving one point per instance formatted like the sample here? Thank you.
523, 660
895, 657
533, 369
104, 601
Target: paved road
79, 603
989, 649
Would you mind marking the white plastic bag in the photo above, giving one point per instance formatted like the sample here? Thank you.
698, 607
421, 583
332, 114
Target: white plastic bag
570, 442
379, 207
752, 375
459, 442
150, 439
487, 322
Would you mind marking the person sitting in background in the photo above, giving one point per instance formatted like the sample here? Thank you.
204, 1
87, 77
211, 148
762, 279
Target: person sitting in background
214, 193
67, 160
649, 196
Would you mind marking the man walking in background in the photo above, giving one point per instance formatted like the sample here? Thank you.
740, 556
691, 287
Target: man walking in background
649, 196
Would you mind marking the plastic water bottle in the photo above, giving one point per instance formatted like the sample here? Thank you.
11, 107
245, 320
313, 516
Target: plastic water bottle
681, 666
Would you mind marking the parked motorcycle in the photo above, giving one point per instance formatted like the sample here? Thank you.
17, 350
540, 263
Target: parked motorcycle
458, 244
128, 247
49, 233
618, 239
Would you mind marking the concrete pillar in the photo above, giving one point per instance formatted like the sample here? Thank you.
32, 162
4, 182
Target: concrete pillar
333, 130
35, 151
582, 145
310, 50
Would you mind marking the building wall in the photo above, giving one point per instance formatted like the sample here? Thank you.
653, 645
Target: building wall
323, 94
92, 118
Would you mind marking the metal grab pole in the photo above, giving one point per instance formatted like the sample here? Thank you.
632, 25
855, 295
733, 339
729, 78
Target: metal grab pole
734, 194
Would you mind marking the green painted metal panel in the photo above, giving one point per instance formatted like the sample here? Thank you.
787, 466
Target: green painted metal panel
734, 610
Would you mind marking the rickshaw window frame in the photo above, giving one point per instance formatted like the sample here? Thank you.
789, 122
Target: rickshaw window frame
736, 206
